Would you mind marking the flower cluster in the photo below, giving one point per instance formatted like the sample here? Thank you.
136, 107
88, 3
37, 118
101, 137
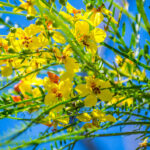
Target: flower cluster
26, 52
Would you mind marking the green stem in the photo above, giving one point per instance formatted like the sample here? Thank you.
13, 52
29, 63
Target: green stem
8, 4
19, 78
126, 13
12, 13
126, 56
78, 137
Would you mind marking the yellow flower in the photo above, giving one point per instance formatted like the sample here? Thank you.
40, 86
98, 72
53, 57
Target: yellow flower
127, 101
87, 38
84, 117
25, 88
59, 38
55, 119
144, 143
73, 14
71, 9
94, 89
28, 6
97, 117
3, 45
70, 63
26, 39
36, 92
118, 60
96, 15
6, 71
67, 75
58, 93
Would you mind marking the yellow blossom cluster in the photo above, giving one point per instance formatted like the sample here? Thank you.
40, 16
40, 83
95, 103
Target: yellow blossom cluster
25, 51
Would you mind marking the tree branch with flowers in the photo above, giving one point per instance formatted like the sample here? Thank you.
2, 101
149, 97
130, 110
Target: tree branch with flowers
53, 76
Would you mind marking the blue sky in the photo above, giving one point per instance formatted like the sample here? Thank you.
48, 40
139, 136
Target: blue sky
107, 143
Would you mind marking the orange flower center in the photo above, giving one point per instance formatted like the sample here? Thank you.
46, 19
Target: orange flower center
96, 90
26, 41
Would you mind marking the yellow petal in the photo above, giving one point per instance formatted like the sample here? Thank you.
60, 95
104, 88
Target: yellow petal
70, 8
96, 18
84, 117
50, 99
64, 121
99, 35
92, 48
90, 100
105, 95
97, 114
66, 16
31, 10
71, 65
110, 118
82, 90
88, 126
6, 71
25, 87
65, 87
32, 30
105, 84
59, 38
67, 75
106, 11
81, 28
36, 92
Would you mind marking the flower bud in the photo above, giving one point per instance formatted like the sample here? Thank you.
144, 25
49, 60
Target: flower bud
55, 25
89, 6
68, 109
50, 33
13, 30
62, 2
30, 17
51, 1
38, 21
11, 50
79, 103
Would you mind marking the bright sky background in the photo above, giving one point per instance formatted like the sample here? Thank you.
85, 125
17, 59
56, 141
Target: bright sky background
105, 143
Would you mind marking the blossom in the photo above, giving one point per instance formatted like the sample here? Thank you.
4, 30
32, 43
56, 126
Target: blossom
26, 39
3, 45
6, 71
96, 15
96, 116
72, 14
57, 92
94, 89
71, 64
58, 37
28, 6
144, 143
123, 100
56, 119
87, 38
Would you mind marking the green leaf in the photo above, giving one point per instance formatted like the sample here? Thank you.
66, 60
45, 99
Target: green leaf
141, 53
132, 42
148, 42
146, 49
110, 5
140, 7
123, 29
4, 23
